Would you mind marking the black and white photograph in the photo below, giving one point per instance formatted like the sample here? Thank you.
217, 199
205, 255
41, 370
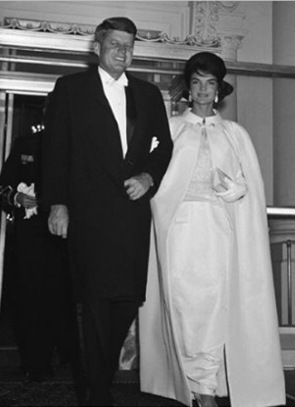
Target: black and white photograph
147, 203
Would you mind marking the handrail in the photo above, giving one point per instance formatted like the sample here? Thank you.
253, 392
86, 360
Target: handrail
282, 211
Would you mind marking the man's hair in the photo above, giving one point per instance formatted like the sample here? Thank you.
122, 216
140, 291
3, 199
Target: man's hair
114, 23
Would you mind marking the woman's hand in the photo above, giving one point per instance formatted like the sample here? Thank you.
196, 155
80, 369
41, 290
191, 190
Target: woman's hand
235, 190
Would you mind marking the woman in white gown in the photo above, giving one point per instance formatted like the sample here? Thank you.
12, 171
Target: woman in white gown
209, 324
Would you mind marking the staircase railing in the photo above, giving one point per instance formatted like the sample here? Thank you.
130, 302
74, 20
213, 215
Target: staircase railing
286, 213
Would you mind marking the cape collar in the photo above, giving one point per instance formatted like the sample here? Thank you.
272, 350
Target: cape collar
194, 119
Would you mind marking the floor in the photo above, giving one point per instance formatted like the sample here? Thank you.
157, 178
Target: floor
60, 391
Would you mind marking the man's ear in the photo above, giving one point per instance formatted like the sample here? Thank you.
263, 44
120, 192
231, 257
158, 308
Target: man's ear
96, 48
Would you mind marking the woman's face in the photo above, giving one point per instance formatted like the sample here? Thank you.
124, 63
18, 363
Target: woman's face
203, 88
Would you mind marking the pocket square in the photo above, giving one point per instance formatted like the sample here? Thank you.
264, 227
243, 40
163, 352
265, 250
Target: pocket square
154, 143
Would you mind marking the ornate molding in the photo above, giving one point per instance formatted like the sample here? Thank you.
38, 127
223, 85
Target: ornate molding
230, 44
47, 26
228, 5
204, 22
217, 24
207, 31
144, 35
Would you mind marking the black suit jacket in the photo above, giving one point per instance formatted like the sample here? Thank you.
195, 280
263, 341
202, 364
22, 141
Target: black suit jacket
85, 170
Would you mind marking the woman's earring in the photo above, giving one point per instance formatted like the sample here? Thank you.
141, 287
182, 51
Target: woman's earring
190, 99
216, 98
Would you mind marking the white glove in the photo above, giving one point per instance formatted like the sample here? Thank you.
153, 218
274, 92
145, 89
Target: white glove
235, 190
28, 190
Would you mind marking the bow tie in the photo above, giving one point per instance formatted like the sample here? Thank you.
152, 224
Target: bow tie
121, 82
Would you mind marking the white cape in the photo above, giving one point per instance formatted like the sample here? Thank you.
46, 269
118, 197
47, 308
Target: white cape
253, 357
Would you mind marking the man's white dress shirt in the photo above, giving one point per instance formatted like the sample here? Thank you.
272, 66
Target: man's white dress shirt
115, 93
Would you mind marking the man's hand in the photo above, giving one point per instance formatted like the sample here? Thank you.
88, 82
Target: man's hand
138, 185
58, 221
24, 200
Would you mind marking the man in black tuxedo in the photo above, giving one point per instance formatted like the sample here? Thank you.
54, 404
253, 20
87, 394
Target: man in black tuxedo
100, 173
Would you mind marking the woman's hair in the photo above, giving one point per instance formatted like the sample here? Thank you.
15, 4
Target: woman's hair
114, 23
208, 63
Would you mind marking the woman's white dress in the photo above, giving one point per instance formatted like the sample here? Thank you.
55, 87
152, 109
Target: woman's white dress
210, 294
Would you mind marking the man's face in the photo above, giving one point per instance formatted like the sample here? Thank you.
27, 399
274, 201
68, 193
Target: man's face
115, 52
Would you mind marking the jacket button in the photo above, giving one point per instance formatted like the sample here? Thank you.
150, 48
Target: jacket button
130, 162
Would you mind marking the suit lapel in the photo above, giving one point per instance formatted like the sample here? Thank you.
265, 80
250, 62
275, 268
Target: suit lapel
136, 119
96, 89
130, 112
133, 96
97, 93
